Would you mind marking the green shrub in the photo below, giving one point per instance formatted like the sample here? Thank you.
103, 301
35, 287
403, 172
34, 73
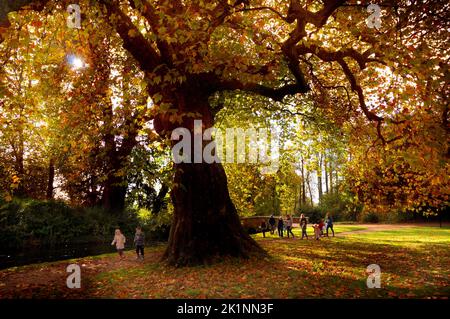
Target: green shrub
370, 217
11, 229
341, 205
26, 222
314, 214
157, 226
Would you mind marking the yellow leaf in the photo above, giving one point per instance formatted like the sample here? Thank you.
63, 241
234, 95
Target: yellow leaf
132, 33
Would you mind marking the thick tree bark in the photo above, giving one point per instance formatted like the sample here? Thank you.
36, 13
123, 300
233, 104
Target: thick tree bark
205, 223
113, 199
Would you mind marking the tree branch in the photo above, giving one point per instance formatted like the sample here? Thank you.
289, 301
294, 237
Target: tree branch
133, 41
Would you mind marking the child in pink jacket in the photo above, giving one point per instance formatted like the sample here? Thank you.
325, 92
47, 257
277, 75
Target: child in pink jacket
119, 241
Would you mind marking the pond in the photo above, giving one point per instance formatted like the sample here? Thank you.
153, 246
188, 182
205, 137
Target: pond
39, 254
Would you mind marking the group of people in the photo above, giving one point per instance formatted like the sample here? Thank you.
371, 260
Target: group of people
139, 242
282, 226
286, 225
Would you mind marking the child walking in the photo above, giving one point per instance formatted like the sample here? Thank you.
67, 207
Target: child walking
321, 227
289, 224
316, 231
119, 241
139, 241
303, 224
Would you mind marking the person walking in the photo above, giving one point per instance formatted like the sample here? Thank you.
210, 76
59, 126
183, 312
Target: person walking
321, 227
303, 225
272, 224
139, 241
316, 228
289, 224
119, 240
329, 220
280, 226
264, 228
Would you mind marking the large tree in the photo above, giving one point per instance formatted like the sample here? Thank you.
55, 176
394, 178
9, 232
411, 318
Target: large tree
190, 50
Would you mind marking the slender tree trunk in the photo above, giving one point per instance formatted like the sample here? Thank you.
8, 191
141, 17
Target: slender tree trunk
303, 182
309, 188
319, 178
19, 156
336, 184
51, 178
325, 166
331, 176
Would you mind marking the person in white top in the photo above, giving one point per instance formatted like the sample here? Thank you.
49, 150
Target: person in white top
289, 224
119, 240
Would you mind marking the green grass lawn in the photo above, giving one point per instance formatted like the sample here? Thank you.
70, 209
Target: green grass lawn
414, 263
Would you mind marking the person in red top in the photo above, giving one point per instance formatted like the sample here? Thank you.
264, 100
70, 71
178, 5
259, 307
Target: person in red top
321, 226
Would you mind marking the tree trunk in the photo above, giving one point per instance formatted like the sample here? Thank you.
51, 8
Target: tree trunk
205, 222
159, 203
325, 166
331, 176
114, 191
319, 178
303, 182
309, 188
51, 178
336, 182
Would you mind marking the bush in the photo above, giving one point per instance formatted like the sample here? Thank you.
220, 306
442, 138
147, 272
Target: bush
26, 222
314, 214
341, 206
29, 221
156, 226
11, 232
370, 217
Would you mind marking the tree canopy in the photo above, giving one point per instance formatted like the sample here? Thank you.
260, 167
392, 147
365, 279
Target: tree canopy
362, 110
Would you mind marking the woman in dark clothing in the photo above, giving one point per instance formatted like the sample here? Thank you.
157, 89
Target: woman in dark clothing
264, 228
280, 226
303, 224
329, 222
272, 224
139, 240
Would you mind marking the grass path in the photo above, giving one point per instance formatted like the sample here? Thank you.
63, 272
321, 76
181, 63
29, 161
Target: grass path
367, 228
414, 263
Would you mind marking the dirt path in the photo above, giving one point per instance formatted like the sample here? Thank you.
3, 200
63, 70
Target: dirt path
28, 281
373, 227
382, 227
